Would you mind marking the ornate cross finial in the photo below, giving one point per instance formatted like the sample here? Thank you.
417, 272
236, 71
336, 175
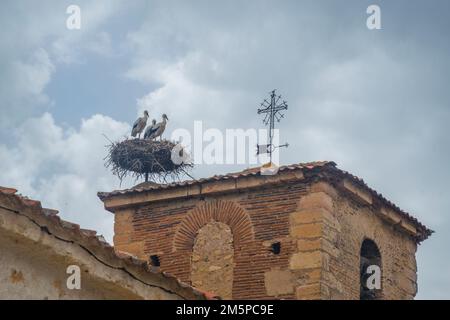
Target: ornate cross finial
273, 111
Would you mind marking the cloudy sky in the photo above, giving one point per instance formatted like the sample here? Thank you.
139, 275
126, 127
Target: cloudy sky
374, 101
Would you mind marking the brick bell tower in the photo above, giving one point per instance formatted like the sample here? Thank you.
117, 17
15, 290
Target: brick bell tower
308, 232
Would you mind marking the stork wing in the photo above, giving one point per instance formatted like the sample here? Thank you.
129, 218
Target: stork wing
150, 130
135, 126
147, 132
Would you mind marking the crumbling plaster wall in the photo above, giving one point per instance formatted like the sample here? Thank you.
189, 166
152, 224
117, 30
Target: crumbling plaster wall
33, 265
29, 271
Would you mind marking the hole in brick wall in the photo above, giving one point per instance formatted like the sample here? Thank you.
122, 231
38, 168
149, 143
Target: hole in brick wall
275, 248
154, 260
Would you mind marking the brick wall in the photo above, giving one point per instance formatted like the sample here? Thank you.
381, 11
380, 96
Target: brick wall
256, 218
319, 228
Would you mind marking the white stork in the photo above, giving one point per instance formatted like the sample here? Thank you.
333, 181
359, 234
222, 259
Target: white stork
139, 125
160, 127
150, 131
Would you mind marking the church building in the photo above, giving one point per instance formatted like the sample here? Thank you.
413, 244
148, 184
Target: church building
311, 231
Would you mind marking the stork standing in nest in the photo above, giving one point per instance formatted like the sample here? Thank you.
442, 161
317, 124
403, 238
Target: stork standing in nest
139, 125
150, 131
157, 130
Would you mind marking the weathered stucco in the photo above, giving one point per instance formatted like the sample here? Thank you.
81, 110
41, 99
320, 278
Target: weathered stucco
31, 271
36, 249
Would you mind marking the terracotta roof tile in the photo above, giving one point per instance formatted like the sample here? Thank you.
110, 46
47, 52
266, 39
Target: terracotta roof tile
8, 190
235, 175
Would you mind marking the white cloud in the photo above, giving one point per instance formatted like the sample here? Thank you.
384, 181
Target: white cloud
34, 76
61, 167
180, 96
64, 168
35, 42
23, 84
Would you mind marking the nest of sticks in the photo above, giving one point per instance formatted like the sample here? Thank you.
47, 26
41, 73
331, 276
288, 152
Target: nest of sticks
149, 159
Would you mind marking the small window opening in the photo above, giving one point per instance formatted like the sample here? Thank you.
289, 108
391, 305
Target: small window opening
154, 260
275, 248
370, 258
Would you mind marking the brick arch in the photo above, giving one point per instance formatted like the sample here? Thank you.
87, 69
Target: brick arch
226, 212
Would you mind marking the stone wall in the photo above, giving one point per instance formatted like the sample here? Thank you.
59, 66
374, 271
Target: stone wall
212, 259
315, 229
399, 269
330, 227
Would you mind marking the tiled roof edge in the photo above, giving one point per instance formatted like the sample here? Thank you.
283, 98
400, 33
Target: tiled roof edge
245, 173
